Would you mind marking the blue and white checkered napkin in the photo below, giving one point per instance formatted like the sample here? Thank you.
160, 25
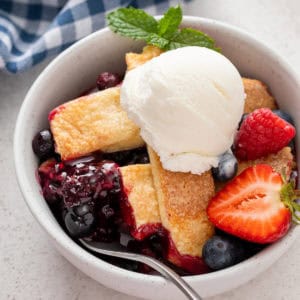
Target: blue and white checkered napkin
31, 30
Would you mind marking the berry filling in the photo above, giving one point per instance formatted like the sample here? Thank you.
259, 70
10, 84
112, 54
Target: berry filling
139, 233
129, 157
85, 196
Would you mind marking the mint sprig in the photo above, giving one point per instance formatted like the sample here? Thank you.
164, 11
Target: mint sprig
165, 33
192, 37
169, 23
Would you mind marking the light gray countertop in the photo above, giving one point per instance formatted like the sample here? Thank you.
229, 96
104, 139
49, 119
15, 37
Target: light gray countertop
31, 268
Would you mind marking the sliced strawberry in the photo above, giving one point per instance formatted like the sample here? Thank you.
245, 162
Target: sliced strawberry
251, 207
262, 133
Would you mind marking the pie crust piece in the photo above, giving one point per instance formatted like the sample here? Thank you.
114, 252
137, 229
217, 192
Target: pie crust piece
134, 60
182, 199
95, 122
257, 95
140, 208
282, 162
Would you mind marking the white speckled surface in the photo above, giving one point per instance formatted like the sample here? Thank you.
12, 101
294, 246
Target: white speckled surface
32, 269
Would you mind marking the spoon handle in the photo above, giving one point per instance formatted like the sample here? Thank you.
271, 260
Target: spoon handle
172, 276
152, 262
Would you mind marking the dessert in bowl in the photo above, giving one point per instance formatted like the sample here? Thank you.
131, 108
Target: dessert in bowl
75, 78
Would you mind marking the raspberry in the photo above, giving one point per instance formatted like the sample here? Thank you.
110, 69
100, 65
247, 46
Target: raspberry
262, 133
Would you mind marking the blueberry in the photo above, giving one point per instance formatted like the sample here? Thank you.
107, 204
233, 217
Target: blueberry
43, 144
156, 244
283, 115
250, 247
107, 80
220, 252
79, 220
227, 167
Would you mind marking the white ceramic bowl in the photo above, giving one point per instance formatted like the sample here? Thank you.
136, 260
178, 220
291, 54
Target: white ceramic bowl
74, 71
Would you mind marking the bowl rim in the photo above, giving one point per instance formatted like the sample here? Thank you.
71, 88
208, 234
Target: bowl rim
64, 241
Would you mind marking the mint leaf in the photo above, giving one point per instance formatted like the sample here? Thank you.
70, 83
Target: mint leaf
169, 23
131, 22
191, 37
137, 24
158, 41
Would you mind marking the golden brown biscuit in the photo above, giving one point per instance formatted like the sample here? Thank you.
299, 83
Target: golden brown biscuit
282, 162
182, 200
257, 95
141, 210
91, 123
134, 60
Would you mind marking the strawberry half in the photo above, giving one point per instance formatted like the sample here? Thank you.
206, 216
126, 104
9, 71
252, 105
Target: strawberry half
256, 205
262, 133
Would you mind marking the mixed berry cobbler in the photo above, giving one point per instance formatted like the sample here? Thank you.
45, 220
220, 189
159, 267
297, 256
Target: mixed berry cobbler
103, 183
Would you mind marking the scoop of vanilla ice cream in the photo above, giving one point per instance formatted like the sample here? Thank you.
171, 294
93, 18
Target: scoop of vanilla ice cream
188, 103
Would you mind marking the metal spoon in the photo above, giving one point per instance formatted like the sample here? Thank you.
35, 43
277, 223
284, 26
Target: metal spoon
117, 250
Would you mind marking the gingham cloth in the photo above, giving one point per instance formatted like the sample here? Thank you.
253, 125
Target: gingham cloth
31, 30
